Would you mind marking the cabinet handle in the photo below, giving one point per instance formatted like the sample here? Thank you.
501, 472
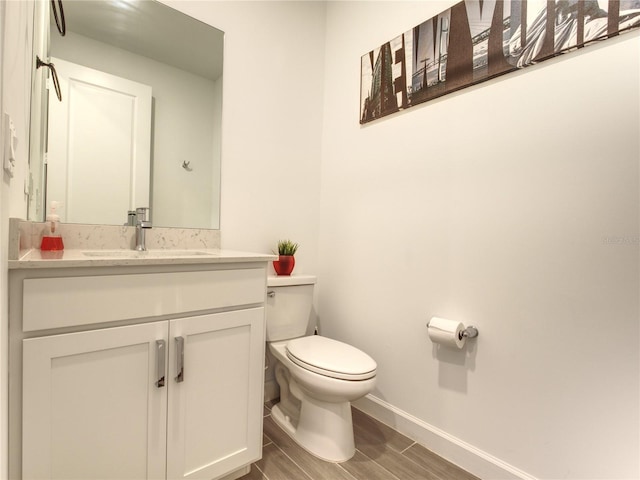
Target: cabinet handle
180, 359
160, 349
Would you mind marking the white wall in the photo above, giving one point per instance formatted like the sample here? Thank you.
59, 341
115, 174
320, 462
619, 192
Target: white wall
4, 311
180, 198
492, 206
271, 123
16, 85
16, 32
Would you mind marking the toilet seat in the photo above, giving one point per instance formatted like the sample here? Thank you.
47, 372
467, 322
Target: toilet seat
331, 358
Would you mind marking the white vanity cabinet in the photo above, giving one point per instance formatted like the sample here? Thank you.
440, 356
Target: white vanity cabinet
90, 409
137, 372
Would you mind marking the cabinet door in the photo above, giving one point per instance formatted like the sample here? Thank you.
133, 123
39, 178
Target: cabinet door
215, 407
91, 404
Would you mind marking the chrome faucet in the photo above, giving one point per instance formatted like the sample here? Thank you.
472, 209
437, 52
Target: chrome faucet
142, 224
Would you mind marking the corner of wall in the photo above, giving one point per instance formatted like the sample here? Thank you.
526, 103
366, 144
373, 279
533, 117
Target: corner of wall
4, 314
16, 25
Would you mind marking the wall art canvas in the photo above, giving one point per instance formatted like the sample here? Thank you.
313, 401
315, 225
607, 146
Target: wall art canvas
476, 40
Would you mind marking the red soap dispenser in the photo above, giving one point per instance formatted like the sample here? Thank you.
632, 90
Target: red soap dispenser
51, 239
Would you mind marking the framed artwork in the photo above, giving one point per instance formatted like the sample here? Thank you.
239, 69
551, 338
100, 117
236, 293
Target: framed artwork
476, 40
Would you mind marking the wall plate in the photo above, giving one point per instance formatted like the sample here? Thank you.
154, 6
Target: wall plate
10, 144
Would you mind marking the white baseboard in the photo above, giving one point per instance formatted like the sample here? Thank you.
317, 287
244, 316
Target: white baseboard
468, 457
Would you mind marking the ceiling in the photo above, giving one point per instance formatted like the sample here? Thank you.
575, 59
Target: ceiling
150, 29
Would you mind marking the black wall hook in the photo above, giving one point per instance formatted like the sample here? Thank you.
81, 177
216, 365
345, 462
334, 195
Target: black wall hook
54, 75
60, 23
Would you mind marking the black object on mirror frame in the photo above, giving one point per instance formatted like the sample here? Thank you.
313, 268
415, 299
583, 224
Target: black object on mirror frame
60, 23
54, 75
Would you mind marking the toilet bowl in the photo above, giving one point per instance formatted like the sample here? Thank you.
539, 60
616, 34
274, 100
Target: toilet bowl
318, 376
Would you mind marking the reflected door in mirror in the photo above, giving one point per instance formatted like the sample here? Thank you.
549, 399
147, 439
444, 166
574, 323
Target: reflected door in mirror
99, 145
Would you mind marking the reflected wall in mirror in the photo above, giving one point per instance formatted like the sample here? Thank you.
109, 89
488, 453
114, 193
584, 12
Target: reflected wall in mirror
140, 119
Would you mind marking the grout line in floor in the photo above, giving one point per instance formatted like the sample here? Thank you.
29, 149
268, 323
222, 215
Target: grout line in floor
292, 460
345, 470
389, 474
405, 449
254, 465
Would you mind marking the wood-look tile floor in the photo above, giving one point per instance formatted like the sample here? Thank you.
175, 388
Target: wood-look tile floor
381, 454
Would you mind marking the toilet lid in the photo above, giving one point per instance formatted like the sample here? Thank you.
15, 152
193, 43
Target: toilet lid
331, 358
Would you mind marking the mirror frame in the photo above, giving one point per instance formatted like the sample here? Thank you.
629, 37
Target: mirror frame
38, 110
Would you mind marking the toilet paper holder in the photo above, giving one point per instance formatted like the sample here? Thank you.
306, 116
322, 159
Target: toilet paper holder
469, 332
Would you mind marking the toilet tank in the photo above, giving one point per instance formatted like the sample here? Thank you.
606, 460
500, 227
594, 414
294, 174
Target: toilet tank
289, 302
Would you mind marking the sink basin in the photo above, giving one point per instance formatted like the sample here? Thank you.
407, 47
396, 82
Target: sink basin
145, 254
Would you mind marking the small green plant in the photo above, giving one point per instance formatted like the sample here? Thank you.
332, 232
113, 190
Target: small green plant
287, 247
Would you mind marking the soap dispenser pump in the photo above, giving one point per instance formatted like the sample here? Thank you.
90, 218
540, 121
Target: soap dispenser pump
51, 239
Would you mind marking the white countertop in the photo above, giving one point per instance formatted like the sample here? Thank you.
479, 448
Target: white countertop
72, 258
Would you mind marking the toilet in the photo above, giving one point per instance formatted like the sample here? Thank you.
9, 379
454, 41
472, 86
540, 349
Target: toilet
318, 376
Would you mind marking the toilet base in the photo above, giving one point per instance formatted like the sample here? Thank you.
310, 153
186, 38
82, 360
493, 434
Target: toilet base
323, 429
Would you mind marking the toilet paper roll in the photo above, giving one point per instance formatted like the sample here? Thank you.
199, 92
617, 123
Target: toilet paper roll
446, 332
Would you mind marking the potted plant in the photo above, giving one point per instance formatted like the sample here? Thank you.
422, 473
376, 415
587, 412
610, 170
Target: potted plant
286, 260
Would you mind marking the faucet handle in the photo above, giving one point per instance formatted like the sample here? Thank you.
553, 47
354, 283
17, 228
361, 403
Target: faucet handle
131, 218
142, 214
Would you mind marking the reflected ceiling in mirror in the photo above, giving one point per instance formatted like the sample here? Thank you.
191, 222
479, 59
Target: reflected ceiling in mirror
104, 159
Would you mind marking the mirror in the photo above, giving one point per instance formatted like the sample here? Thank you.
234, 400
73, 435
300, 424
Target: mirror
140, 119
